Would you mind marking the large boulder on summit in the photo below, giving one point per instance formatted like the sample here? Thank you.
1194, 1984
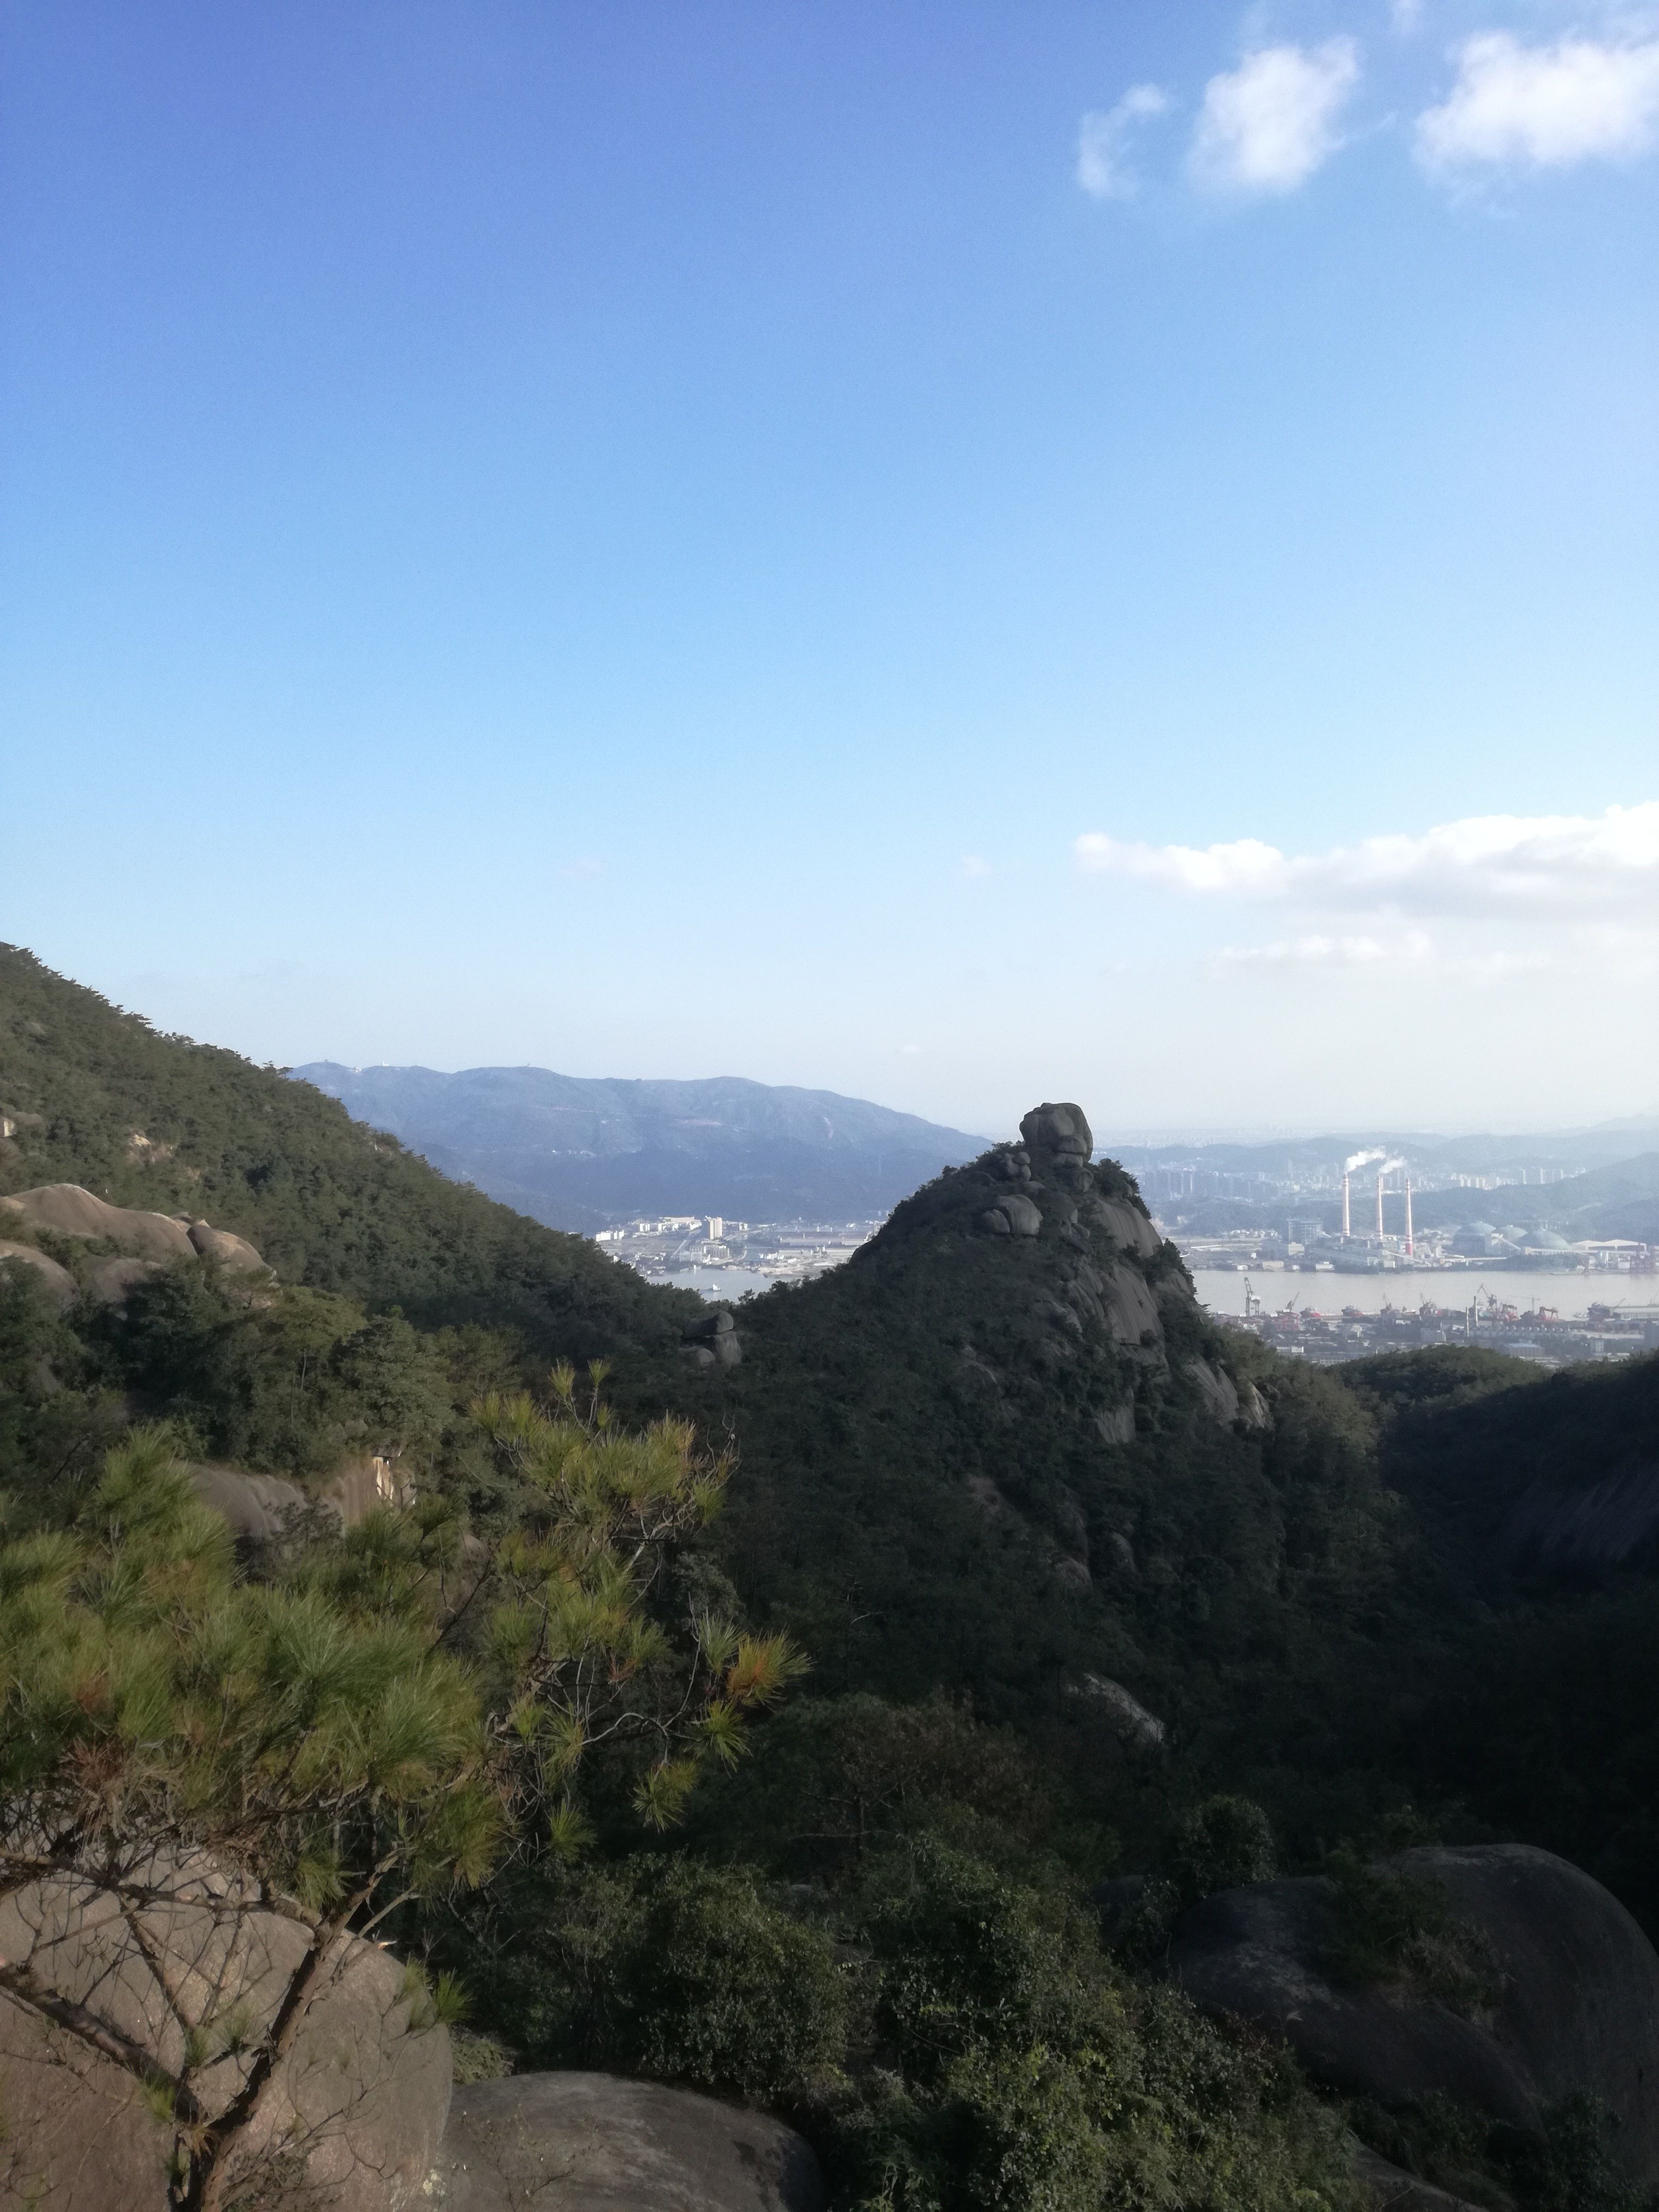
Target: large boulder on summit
359, 2103
591, 2142
1574, 2005
72, 1211
1060, 1131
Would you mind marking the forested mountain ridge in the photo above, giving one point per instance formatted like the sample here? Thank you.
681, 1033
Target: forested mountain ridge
579, 1152
97, 1097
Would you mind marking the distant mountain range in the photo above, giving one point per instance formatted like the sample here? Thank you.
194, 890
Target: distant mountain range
577, 1152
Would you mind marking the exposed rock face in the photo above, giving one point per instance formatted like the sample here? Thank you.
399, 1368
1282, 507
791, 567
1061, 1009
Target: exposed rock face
1586, 1531
1216, 1388
1579, 2008
110, 1280
1116, 1426
1126, 1225
257, 1506
360, 2098
1131, 1310
591, 2142
73, 1211
59, 1282
362, 1483
261, 1508
1390, 2189
1127, 1716
234, 1253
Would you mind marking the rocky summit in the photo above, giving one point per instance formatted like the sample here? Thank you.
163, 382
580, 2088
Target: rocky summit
1009, 1398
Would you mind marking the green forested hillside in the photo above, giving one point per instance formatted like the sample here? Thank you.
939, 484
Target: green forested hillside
101, 1099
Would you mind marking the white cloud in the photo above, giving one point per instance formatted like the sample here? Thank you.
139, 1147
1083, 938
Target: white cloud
1406, 15
1332, 951
974, 867
1267, 126
1103, 142
1543, 107
1526, 865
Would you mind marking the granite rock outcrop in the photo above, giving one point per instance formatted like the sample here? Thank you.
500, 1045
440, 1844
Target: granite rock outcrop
360, 2102
594, 2142
1574, 2008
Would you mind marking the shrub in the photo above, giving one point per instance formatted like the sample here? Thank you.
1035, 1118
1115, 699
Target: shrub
678, 1971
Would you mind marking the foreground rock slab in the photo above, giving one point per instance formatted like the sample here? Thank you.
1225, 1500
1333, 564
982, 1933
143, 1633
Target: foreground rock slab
591, 2142
355, 2116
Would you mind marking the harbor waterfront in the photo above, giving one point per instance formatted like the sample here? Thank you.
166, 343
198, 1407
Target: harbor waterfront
1554, 1322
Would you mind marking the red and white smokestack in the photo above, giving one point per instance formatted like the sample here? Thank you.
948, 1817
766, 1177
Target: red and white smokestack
1347, 1222
1379, 1209
1408, 1216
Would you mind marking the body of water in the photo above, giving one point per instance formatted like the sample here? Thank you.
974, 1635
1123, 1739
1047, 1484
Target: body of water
722, 1285
1223, 1291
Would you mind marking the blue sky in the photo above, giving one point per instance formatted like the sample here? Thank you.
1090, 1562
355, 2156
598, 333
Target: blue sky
825, 542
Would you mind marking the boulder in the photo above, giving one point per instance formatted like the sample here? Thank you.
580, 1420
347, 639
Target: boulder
1129, 1718
1058, 1132
234, 1253
1016, 1215
717, 1321
110, 1280
359, 2100
261, 1507
257, 1506
59, 1283
591, 2142
73, 1211
1578, 2008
